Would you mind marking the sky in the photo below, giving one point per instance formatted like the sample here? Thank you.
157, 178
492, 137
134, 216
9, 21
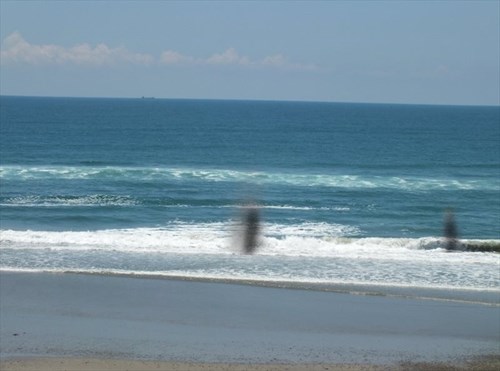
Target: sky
417, 52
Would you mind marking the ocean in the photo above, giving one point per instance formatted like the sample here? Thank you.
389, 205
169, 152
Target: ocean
348, 194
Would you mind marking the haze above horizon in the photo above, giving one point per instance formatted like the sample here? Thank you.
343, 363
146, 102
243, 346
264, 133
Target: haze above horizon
365, 51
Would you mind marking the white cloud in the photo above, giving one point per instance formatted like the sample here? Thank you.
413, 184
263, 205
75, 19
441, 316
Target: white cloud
280, 61
274, 60
17, 49
230, 56
173, 57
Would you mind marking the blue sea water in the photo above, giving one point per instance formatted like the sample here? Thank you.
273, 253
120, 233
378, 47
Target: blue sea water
347, 192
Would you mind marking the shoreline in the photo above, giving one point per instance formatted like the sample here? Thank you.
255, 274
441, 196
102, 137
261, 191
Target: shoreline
72, 316
483, 296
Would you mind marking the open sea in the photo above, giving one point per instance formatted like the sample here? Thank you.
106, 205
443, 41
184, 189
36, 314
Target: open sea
349, 194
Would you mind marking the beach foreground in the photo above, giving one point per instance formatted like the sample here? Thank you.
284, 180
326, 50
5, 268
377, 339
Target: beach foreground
87, 364
92, 322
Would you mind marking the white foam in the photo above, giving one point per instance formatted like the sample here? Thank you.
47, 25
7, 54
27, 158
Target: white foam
178, 237
139, 240
409, 183
69, 201
99, 200
309, 252
303, 239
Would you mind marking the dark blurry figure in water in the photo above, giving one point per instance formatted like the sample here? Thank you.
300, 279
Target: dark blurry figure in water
450, 231
251, 226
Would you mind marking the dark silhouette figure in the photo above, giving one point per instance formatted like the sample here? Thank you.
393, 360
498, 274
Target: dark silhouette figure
251, 229
450, 231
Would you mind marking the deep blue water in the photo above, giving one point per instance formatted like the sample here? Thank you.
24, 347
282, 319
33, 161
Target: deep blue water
82, 177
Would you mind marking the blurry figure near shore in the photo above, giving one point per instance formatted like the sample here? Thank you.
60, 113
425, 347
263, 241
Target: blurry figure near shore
450, 231
251, 226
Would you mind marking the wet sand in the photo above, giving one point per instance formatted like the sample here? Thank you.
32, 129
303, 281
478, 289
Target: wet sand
91, 322
122, 365
63, 364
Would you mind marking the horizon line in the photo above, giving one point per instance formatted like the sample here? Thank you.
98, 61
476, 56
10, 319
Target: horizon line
150, 97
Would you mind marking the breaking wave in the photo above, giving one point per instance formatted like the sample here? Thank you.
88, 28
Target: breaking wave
304, 253
145, 174
303, 239
71, 201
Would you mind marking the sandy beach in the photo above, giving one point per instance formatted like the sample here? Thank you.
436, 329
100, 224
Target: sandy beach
86, 364
91, 322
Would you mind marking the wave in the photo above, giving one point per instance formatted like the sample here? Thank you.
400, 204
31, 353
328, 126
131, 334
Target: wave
302, 253
68, 201
273, 264
117, 200
176, 237
102, 200
303, 239
165, 174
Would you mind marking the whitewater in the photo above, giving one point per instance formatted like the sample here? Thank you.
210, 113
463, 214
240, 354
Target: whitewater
302, 253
